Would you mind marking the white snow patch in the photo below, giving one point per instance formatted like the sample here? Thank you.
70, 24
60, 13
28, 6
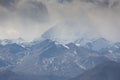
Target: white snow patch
77, 44
66, 46
110, 51
81, 66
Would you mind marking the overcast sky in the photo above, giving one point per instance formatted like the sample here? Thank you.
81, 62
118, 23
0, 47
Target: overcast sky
29, 19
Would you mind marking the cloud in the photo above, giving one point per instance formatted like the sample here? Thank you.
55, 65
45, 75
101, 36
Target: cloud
28, 19
31, 18
85, 17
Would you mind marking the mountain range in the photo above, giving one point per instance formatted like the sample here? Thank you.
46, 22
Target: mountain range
47, 57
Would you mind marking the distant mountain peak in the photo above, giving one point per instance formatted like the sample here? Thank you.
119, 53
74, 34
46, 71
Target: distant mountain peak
11, 41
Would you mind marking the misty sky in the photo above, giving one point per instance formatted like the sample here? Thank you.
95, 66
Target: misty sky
29, 19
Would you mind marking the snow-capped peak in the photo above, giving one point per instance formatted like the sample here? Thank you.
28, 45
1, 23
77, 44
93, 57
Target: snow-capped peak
11, 41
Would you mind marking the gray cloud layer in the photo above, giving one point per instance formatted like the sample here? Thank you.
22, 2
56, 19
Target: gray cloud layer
31, 18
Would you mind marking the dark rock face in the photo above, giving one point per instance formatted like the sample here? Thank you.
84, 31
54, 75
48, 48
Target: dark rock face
105, 71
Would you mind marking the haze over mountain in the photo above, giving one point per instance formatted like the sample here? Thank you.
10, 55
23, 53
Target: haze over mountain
74, 17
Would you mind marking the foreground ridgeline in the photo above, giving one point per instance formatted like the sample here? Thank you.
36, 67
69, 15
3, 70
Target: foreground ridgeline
104, 71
